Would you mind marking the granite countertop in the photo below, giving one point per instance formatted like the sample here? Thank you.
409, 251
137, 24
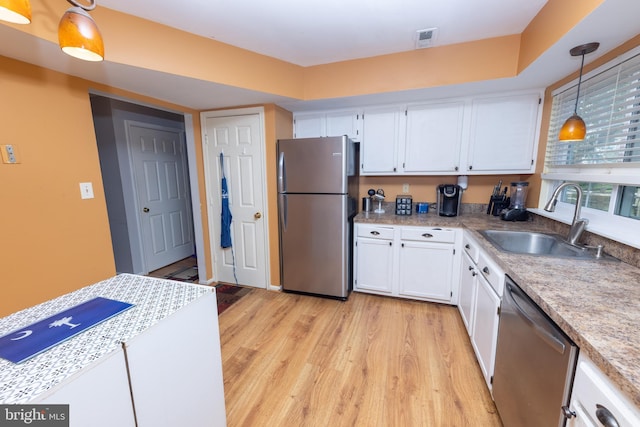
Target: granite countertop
596, 303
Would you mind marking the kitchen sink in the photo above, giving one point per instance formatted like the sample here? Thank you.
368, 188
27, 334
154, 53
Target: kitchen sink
542, 244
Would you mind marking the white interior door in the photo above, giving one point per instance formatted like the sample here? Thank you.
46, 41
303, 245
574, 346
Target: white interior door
240, 137
161, 180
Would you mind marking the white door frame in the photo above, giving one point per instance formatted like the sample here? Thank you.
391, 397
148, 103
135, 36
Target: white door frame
212, 202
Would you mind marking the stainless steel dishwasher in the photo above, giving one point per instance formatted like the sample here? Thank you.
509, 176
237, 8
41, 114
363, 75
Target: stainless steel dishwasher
535, 363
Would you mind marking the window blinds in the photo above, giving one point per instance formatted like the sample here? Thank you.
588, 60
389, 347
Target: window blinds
609, 104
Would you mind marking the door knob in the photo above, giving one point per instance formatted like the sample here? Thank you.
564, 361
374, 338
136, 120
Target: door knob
257, 215
145, 209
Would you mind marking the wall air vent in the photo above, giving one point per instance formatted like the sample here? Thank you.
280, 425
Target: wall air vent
425, 38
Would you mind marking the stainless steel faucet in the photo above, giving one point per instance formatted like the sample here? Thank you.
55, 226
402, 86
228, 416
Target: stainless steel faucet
578, 224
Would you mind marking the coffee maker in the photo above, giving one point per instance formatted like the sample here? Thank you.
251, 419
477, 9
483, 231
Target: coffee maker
518, 196
448, 199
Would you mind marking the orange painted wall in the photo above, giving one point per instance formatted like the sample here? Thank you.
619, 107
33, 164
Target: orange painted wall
52, 242
278, 125
172, 51
438, 66
554, 20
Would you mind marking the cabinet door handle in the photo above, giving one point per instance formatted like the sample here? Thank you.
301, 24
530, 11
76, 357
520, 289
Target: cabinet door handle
427, 235
486, 270
606, 417
467, 246
375, 233
470, 267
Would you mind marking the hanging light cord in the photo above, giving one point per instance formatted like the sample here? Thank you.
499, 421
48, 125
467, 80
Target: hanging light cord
575, 109
87, 8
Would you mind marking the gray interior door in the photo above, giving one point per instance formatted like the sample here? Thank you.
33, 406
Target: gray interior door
161, 182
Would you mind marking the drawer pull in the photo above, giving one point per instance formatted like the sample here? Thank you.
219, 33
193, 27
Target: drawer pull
606, 417
375, 233
427, 235
486, 270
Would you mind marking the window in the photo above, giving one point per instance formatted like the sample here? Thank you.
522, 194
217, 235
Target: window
606, 164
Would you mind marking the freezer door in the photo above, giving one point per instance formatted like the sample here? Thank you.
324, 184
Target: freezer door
314, 244
314, 165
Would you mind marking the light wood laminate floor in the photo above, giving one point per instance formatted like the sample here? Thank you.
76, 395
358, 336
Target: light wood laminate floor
293, 360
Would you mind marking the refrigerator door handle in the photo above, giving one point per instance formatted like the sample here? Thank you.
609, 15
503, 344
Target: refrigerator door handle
282, 201
281, 173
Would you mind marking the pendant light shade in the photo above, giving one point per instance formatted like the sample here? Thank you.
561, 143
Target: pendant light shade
15, 11
78, 35
574, 129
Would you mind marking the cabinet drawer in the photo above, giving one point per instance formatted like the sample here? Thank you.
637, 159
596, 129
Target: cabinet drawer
470, 246
375, 232
491, 272
591, 388
435, 234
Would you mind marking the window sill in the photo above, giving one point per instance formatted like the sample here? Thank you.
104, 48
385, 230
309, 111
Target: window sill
620, 229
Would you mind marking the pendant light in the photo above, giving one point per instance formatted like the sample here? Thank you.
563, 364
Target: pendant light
574, 128
78, 34
15, 11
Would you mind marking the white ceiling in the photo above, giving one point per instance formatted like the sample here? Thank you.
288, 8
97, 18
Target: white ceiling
312, 32
321, 31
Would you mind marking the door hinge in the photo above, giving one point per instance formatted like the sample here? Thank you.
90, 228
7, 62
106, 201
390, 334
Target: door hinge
499, 311
491, 380
454, 251
539, 100
531, 162
451, 294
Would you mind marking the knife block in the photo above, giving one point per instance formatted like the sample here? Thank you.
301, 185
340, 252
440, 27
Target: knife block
497, 204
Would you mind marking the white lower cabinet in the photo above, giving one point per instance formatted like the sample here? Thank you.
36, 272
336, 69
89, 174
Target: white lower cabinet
425, 271
374, 256
411, 262
467, 296
597, 402
481, 287
484, 335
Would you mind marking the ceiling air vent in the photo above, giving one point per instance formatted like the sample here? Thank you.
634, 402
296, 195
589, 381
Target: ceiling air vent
425, 38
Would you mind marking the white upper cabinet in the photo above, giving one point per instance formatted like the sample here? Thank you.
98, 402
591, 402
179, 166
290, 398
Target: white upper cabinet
434, 138
503, 134
345, 123
309, 125
482, 135
383, 135
328, 123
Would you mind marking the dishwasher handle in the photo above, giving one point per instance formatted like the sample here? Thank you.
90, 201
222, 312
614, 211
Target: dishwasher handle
554, 342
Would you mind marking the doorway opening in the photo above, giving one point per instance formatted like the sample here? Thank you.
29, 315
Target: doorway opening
145, 154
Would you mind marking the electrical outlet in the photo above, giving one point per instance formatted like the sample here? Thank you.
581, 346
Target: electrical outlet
405, 188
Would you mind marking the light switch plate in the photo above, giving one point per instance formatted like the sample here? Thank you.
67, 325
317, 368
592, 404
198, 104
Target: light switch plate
9, 154
86, 190
405, 188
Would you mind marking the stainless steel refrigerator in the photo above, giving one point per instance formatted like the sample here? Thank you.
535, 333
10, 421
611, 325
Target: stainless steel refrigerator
317, 200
